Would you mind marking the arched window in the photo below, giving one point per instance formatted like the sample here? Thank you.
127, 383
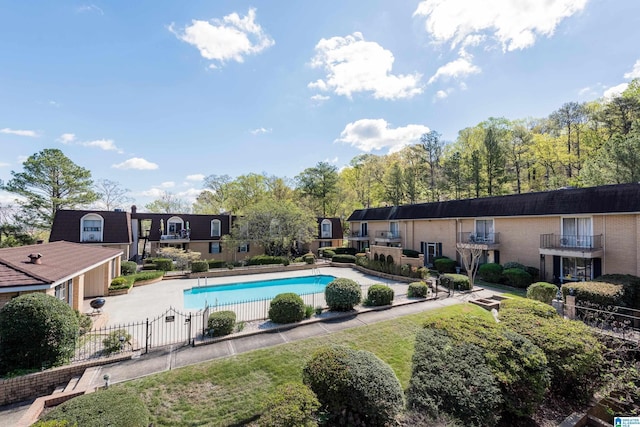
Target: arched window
91, 228
174, 225
325, 229
215, 228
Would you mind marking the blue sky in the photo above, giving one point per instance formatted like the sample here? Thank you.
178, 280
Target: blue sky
157, 95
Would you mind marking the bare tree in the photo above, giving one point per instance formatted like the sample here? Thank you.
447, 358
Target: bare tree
470, 254
111, 194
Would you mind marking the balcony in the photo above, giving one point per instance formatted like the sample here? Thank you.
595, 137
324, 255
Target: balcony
571, 245
182, 236
358, 235
485, 241
387, 237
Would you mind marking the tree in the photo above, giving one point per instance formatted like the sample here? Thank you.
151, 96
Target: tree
394, 185
36, 330
168, 203
432, 150
470, 254
494, 155
452, 169
318, 184
50, 181
568, 118
12, 230
518, 147
111, 194
214, 198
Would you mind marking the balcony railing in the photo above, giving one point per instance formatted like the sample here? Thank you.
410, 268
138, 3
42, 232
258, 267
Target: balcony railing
180, 235
387, 235
479, 238
358, 233
570, 241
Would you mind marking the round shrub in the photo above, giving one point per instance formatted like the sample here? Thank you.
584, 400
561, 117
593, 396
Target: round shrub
291, 404
405, 270
113, 344
379, 295
199, 266
598, 293
128, 267
517, 278
631, 288
286, 308
164, 264
458, 282
345, 251
418, 290
309, 258
410, 253
217, 263
221, 323
445, 265
342, 294
453, 378
36, 330
115, 406
354, 386
542, 291
534, 272
121, 282
148, 266
328, 253
490, 272
513, 264
344, 258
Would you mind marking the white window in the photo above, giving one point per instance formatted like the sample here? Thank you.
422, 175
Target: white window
484, 230
244, 247
325, 229
64, 291
174, 225
394, 228
576, 232
91, 227
364, 229
576, 269
215, 228
215, 247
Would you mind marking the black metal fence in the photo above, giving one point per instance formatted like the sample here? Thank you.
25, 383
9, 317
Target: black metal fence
617, 321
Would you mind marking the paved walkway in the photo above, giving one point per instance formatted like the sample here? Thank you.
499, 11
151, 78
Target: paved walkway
171, 358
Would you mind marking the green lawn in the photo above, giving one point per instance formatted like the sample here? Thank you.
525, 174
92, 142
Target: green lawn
233, 390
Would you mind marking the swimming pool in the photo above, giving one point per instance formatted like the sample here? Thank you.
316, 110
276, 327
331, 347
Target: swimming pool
195, 298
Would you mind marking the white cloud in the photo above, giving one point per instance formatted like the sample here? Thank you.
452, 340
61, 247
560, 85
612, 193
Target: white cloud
136, 163
615, 90
461, 67
334, 160
635, 73
375, 134
231, 38
66, 138
195, 177
355, 65
320, 98
104, 144
4, 165
55, 104
260, 130
442, 94
89, 8
168, 184
20, 132
514, 24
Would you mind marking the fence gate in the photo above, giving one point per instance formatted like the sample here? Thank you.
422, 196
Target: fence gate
171, 327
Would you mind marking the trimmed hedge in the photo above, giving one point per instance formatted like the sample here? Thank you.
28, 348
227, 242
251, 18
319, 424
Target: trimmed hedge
458, 282
355, 387
630, 284
309, 258
199, 266
410, 253
217, 263
445, 265
454, 378
418, 290
221, 323
490, 272
164, 264
574, 355
345, 251
286, 308
148, 266
518, 365
517, 278
121, 282
291, 404
267, 260
513, 264
146, 275
328, 253
599, 293
379, 294
342, 294
115, 406
128, 267
344, 258
542, 291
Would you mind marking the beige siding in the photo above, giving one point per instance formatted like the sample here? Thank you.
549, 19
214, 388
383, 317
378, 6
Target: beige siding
621, 234
435, 231
96, 281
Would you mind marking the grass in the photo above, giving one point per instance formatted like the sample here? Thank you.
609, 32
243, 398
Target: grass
507, 290
233, 390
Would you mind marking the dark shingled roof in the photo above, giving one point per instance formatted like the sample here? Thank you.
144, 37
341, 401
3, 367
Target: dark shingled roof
200, 225
336, 228
66, 226
59, 260
620, 198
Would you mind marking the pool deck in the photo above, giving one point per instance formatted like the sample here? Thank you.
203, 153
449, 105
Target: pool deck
152, 300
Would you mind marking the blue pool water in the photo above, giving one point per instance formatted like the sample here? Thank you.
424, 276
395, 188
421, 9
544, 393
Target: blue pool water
195, 298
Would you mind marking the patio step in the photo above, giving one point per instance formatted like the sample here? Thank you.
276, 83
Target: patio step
71, 385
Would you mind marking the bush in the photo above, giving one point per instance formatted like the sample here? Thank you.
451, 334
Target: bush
345, 251
630, 285
598, 293
490, 272
518, 365
344, 258
513, 264
418, 290
445, 265
216, 263
113, 344
309, 258
517, 278
354, 386
286, 308
146, 275
128, 267
342, 294
84, 322
328, 253
573, 353
221, 323
267, 260
542, 291
453, 378
54, 423
291, 404
149, 266
36, 330
164, 264
199, 266
308, 311
410, 253
458, 282
379, 295
121, 282
534, 272
115, 406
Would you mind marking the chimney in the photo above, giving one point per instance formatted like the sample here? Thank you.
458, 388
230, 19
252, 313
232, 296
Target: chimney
133, 209
35, 258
